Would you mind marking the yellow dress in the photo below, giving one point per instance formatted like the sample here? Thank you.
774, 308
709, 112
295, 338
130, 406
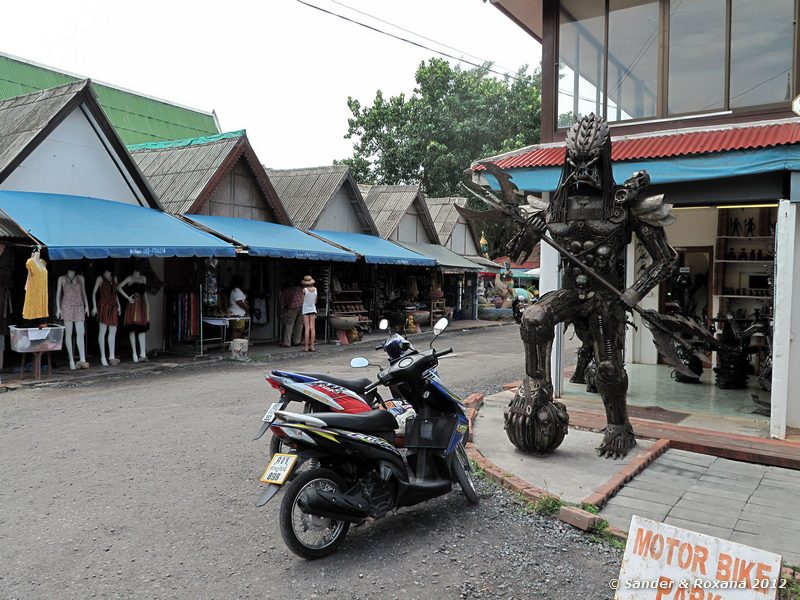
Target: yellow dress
36, 290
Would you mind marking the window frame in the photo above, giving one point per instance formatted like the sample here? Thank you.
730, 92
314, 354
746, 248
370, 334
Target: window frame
662, 76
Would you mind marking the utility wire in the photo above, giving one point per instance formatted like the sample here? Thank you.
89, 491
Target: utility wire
413, 43
419, 35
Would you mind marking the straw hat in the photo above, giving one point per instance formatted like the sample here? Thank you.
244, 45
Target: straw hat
307, 280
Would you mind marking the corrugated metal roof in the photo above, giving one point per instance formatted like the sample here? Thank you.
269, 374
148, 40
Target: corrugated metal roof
683, 142
445, 216
179, 174
388, 203
137, 118
306, 192
24, 117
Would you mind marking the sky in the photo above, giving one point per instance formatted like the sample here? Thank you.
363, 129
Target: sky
277, 68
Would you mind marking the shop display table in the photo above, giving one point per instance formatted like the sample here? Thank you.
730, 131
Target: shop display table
36, 341
223, 322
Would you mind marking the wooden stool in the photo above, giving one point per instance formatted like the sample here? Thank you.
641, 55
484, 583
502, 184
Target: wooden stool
36, 367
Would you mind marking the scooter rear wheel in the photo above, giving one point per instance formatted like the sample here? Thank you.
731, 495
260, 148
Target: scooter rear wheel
306, 535
461, 471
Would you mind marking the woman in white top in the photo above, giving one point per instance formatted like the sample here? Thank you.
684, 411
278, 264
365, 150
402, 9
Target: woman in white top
309, 312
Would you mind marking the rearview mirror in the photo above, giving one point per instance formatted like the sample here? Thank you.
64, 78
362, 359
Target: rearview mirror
358, 362
383, 325
440, 326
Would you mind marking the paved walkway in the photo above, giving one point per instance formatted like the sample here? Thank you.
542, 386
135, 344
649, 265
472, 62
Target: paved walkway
748, 503
751, 504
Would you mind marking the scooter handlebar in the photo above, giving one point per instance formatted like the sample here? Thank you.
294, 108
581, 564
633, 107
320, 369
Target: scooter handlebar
443, 352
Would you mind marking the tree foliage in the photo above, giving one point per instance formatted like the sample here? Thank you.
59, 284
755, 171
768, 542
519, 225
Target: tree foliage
453, 117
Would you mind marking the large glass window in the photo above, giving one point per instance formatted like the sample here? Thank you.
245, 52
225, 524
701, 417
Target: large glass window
632, 59
762, 35
581, 58
696, 55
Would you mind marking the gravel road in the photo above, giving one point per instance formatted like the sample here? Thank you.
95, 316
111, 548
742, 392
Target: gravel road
145, 487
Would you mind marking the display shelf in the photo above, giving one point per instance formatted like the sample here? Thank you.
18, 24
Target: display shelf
740, 296
752, 262
742, 237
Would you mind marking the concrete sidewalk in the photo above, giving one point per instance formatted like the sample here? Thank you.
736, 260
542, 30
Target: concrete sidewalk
748, 503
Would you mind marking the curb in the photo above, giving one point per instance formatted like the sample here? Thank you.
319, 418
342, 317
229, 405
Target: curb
605, 492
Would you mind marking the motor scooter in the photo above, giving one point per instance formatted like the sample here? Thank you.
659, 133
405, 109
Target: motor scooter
348, 468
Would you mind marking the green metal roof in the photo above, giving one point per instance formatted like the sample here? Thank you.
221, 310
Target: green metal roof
138, 119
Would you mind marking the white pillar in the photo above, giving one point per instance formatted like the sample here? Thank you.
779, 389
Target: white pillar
785, 345
549, 280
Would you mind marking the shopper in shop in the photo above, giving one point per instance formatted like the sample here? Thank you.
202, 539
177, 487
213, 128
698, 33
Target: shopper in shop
309, 313
238, 306
73, 306
291, 305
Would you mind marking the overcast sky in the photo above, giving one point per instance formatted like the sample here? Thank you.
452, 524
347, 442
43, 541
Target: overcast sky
277, 68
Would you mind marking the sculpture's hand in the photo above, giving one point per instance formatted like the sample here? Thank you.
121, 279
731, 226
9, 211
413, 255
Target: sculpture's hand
538, 224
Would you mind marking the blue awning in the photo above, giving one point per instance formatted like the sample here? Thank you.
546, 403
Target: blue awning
676, 169
271, 239
74, 227
376, 250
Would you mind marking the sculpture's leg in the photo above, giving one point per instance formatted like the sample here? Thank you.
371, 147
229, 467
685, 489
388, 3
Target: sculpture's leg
585, 352
608, 329
533, 422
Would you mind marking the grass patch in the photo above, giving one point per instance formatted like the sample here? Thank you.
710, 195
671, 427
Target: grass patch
792, 589
590, 508
477, 471
601, 535
548, 505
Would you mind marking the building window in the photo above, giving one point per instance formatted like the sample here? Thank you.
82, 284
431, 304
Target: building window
762, 36
632, 59
581, 58
696, 56
642, 59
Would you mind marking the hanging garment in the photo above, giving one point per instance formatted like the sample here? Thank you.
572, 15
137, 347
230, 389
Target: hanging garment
260, 315
107, 304
72, 306
137, 315
35, 306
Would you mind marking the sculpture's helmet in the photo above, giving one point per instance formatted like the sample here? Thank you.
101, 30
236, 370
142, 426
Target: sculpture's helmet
586, 141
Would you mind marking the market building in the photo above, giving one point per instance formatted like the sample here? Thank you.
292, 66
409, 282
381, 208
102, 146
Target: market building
70, 191
698, 94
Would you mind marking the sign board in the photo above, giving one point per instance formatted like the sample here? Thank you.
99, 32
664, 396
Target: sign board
663, 562
796, 106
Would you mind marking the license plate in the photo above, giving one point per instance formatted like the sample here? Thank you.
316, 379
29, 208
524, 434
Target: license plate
271, 412
279, 468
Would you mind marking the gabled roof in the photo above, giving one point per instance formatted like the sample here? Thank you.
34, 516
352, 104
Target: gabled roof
306, 192
185, 173
444, 212
388, 203
679, 142
26, 121
136, 117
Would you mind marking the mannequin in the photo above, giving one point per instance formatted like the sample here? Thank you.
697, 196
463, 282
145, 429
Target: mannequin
107, 315
73, 306
137, 314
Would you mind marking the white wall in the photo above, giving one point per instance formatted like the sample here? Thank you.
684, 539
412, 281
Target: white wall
407, 228
458, 239
72, 160
339, 215
786, 344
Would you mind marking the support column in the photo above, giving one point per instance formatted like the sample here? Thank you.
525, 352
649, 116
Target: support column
549, 280
786, 345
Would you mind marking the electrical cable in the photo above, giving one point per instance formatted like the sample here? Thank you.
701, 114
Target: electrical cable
413, 43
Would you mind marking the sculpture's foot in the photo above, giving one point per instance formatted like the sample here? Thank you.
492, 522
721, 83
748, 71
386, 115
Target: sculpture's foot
577, 378
533, 422
617, 441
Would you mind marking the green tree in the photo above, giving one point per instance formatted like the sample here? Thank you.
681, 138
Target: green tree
453, 117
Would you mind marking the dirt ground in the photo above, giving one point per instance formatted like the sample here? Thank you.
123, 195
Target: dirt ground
145, 487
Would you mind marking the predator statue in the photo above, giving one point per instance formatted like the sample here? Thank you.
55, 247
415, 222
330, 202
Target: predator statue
593, 219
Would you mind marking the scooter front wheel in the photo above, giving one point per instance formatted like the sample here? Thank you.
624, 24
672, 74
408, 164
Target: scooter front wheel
306, 535
461, 472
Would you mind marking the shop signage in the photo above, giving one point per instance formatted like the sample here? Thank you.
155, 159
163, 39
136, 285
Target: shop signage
663, 562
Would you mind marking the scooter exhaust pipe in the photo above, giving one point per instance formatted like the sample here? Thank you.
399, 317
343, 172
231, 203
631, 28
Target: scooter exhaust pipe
339, 507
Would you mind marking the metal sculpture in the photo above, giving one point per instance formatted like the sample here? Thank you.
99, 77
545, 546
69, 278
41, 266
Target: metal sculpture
591, 221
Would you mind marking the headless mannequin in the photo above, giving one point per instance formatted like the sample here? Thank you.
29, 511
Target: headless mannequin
104, 327
71, 320
135, 277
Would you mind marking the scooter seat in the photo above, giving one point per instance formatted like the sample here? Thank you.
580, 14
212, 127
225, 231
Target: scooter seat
356, 384
373, 421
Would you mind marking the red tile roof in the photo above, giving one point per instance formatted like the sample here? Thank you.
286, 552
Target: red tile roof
682, 143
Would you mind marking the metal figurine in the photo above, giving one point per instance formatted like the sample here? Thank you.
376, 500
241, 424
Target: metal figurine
591, 221
749, 227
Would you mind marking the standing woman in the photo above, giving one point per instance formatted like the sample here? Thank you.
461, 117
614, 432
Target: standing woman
309, 312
